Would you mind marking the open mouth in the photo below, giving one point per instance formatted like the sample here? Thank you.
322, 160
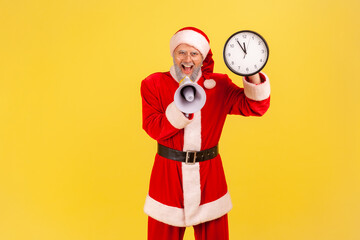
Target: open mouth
187, 68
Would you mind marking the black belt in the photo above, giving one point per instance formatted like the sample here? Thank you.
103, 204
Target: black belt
189, 157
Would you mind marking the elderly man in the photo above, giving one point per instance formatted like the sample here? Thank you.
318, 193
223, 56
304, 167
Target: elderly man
193, 193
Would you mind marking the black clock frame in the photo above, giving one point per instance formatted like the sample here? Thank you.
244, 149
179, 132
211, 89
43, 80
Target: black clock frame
228, 65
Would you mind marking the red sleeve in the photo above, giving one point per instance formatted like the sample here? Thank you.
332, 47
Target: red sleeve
252, 100
156, 118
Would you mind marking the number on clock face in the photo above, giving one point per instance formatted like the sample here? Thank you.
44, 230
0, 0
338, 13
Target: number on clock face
246, 53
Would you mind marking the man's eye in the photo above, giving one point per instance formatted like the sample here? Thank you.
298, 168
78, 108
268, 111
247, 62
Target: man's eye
194, 54
182, 53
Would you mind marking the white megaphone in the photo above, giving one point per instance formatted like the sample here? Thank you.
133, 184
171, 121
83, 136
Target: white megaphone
189, 97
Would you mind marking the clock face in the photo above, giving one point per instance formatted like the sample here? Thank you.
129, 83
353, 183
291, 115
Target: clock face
246, 53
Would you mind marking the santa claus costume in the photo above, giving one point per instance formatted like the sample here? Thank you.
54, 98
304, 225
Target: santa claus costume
183, 194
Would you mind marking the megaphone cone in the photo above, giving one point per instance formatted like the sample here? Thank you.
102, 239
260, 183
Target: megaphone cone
189, 97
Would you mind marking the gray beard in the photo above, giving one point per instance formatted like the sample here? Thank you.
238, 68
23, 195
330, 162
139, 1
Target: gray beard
180, 75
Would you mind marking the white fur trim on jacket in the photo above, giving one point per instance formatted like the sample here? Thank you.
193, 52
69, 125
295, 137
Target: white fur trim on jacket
192, 38
257, 92
192, 190
176, 216
176, 117
192, 134
170, 215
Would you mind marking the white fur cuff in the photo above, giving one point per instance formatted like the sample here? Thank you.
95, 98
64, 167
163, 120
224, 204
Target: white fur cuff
257, 92
176, 117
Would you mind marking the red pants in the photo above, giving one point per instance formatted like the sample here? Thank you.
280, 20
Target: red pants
213, 230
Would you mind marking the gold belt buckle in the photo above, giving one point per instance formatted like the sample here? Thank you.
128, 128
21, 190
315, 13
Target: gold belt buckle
187, 158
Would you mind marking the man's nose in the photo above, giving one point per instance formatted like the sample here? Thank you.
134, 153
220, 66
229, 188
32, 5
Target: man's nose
188, 57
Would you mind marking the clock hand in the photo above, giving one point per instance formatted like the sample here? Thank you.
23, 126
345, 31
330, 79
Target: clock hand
241, 46
245, 50
248, 43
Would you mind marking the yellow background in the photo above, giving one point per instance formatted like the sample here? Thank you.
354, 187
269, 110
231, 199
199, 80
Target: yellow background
75, 162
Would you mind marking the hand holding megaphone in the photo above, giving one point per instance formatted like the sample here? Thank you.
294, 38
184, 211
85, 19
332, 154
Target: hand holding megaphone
189, 97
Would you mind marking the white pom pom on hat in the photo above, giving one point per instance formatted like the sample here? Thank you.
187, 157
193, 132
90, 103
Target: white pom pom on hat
209, 83
193, 37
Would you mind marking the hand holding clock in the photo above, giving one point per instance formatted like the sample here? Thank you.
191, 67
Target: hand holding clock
255, 79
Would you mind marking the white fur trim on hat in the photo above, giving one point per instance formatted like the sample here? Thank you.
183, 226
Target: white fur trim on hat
192, 38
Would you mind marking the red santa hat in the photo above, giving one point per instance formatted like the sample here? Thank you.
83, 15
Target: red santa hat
197, 39
192, 36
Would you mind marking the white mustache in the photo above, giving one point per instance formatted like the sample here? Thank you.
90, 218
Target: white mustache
187, 64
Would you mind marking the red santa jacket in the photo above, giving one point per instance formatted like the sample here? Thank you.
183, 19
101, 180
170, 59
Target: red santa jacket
181, 194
